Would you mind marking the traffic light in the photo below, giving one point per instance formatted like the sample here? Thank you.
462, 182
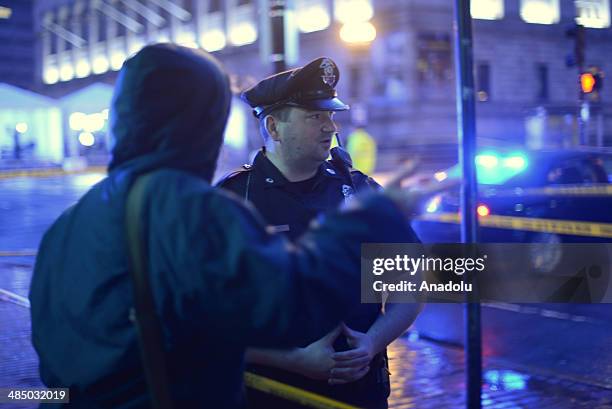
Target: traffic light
591, 82
587, 82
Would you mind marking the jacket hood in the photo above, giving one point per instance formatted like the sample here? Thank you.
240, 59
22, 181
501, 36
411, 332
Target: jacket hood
169, 110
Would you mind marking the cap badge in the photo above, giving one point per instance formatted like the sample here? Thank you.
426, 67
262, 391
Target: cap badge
328, 77
347, 191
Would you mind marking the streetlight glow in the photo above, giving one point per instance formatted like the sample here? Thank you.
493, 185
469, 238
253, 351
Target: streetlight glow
51, 75
21, 127
187, 39
358, 33
538, 12
350, 11
100, 65
66, 72
213, 40
94, 122
82, 69
76, 121
243, 33
117, 60
312, 19
86, 139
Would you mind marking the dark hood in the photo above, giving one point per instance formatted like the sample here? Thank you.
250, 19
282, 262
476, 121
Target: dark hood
169, 110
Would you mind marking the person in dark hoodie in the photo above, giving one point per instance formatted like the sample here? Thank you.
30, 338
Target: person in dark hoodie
220, 281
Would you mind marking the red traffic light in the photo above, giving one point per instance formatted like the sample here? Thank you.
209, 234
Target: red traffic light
587, 82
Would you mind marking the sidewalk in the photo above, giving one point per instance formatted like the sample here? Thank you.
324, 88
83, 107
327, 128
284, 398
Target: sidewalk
425, 375
10, 164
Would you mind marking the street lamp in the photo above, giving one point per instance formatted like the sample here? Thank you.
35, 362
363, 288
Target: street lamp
362, 32
347, 11
21, 127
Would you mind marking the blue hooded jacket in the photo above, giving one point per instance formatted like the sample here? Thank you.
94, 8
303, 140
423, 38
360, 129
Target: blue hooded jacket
220, 281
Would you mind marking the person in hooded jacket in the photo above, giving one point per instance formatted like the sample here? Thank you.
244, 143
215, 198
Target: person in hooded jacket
220, 281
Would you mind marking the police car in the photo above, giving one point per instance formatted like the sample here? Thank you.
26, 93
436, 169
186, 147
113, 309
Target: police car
528, 196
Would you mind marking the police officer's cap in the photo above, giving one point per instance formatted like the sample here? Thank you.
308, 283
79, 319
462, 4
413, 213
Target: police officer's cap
310, 87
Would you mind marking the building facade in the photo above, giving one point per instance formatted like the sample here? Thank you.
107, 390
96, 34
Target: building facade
17, 39
401, 83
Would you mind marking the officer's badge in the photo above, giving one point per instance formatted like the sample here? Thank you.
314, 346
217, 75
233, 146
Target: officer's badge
328, 68
347, 192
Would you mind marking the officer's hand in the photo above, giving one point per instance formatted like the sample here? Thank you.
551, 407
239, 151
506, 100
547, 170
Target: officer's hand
354, 364
315, 361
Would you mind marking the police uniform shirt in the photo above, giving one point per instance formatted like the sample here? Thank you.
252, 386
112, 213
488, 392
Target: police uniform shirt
289, 207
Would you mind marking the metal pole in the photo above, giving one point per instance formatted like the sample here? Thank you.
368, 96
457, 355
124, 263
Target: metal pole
600, 128
466, 124
582, 102
277, 25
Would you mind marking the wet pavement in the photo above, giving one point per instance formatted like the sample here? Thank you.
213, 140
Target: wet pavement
425, 375
569, 366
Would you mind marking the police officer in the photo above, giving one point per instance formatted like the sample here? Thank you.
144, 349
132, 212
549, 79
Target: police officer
291, 183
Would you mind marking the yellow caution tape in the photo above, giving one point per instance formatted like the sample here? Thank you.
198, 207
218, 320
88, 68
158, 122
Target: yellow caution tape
292, 393
49, 172
569, 190
567, 227
18, 253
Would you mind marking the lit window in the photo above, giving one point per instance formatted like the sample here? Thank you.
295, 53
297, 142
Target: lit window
359, 32
187, 39
100, 65
487, 9
66, 72
243, 33
117, 60
82, 69
5, 12
162, 37
352, 11
51, 75
540, 11
213, 40
312, 16
593, 13
136, 45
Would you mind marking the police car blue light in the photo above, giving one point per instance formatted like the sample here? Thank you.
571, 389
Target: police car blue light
528, 196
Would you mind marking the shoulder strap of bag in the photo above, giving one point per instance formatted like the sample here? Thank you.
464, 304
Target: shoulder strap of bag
147, 322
